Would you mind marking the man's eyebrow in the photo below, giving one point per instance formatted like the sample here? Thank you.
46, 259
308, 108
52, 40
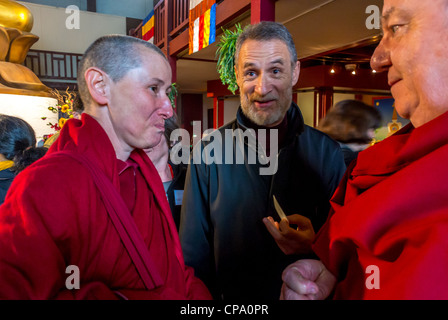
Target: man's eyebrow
387, 14
248, 65
278, 61
273, 62
396, 12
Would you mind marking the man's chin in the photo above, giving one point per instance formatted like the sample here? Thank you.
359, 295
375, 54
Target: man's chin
265, 119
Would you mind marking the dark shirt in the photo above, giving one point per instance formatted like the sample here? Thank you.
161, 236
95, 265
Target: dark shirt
6, 177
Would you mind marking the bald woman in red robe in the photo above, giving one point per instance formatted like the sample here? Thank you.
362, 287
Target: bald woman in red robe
387, 234
55, 214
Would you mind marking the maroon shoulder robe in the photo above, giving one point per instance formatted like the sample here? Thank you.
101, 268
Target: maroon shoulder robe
53, 217
387, 235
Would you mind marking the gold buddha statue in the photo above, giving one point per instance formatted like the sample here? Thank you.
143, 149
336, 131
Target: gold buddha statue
16, 22
16, 16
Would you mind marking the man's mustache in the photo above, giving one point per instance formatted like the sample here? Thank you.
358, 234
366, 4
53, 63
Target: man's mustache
257, 98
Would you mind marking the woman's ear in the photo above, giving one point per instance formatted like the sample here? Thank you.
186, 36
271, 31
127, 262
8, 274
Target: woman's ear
97, 83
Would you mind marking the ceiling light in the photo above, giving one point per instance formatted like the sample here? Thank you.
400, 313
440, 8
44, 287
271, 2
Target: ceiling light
351, 67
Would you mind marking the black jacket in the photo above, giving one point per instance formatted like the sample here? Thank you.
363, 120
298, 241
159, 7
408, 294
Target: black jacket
6, 177
222, 233
176, 189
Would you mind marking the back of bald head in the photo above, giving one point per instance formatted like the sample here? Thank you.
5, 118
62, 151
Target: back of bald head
115, 55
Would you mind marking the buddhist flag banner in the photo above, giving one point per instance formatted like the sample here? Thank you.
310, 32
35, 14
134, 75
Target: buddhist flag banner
202, 24
148, 28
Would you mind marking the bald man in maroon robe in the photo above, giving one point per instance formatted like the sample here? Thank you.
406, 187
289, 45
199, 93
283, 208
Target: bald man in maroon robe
387, 234
55, 221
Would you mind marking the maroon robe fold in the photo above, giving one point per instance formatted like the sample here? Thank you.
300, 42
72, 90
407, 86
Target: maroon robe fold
54, 217
391, 212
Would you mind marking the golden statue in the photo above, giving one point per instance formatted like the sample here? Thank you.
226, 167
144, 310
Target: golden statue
16, 22
395, 125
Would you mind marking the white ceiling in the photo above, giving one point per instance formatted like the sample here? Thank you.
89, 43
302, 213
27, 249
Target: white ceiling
317, 26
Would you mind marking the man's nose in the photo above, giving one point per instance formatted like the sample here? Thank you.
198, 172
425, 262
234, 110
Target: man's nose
262, 85
380, 60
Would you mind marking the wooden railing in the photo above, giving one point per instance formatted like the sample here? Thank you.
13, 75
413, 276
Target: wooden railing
51, 66
159, 24
176, 20
179, 16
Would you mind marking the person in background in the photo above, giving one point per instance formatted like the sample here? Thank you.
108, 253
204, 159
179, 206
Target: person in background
227, 231
387, 235
78, 107
172, 175
17, 150
116, 239
352, 123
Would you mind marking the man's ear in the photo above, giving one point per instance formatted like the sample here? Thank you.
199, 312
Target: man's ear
295, 73
97, 83
236, 74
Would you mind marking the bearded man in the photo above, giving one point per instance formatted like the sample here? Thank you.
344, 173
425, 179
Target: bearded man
227, 231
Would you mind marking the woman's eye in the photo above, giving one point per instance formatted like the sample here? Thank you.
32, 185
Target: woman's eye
155, 89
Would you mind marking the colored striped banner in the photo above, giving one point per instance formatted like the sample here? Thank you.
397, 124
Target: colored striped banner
202, 24
148, 28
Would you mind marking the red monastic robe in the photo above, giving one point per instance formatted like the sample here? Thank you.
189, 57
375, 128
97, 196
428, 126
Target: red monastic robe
54, 217
391, 212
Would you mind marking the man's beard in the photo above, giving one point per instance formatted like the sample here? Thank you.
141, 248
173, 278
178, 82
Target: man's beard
264, 117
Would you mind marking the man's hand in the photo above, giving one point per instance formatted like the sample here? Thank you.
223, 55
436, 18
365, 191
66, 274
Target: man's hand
290, 240
307, 279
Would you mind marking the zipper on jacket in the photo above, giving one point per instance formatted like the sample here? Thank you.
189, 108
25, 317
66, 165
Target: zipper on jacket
271, 199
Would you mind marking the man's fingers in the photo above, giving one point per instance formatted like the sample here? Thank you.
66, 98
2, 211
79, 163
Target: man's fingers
301, 221
293, 278
284, 225
272, 227
287, 294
